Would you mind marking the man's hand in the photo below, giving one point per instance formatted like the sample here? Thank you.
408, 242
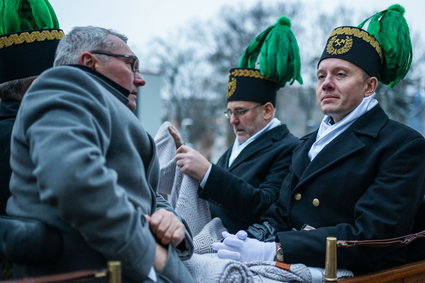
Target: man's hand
166, 227
240, 247
191, 162
178, 140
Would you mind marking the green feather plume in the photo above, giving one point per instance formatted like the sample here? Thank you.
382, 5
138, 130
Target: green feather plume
41, 13
10, 20
276, 52
390, 29
1, 16
21, 15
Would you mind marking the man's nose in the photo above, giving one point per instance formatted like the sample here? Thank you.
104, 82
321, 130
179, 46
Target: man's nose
328, 83
138, 80
234, 119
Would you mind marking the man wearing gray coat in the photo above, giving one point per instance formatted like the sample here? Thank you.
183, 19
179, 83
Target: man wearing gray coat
82, 163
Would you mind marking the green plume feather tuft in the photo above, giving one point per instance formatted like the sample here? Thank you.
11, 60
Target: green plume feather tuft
390, 29
21, 15
284, 21
276, 52
398, 8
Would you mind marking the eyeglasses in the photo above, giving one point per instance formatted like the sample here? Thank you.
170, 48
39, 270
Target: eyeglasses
134, 64
238, 112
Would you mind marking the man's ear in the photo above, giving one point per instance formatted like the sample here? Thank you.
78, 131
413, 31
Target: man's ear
268, 111
88, 59
371, 85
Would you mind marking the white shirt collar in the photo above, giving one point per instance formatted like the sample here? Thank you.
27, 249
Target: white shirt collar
237, 147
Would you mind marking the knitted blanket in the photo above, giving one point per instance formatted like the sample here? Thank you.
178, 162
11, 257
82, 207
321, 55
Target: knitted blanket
179, 189
208, 268
205, 266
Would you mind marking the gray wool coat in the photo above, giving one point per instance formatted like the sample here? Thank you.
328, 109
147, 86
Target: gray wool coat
82, 162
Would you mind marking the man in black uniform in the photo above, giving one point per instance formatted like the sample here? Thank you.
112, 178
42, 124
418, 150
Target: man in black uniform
246, 179
27, 48
360, 176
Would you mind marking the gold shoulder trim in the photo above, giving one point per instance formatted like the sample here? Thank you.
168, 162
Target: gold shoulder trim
362, 35
29, 37
250, 73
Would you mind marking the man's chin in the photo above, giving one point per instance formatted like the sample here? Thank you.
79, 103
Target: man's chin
241, 138
132, 102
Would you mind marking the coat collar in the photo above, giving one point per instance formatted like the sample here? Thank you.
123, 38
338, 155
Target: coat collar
119, 92
9, 109
264, 141
341, 147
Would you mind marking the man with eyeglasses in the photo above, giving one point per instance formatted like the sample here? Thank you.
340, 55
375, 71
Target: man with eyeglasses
247, 178
82, 163
133, 62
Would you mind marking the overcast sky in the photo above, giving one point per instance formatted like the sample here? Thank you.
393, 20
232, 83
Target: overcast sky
142, 20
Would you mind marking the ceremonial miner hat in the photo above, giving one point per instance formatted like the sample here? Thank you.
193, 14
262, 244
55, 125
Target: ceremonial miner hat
270, 61
383, 50
29, 34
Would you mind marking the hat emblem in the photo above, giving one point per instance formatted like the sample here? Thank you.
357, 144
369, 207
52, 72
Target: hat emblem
231, 87
338, 46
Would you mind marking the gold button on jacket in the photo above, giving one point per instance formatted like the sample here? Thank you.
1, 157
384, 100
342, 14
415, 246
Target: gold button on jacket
298, 196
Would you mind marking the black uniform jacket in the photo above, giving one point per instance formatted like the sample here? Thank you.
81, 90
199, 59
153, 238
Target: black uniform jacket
239, 194
8, 110
366, 184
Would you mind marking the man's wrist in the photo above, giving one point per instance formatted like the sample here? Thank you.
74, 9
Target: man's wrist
161, 255
279, 253
204, 179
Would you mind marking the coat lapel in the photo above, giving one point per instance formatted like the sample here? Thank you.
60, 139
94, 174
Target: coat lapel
341, 147
264, 141
224, 160
300, 158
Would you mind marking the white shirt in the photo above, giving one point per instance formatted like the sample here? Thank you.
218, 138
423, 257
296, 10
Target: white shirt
328, 132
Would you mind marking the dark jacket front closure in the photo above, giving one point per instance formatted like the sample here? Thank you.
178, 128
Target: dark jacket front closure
240, 194
365, 184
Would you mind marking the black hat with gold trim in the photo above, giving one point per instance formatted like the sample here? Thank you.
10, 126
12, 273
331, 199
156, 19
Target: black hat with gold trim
383, 51
270, 61
29, 35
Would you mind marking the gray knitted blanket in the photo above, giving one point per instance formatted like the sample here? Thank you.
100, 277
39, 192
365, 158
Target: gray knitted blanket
181, 191
208, 268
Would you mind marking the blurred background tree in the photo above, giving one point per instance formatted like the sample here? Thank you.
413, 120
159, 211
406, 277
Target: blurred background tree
194, 63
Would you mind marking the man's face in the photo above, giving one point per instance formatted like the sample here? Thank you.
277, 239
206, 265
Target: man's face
248, 124
119, 70
341, 87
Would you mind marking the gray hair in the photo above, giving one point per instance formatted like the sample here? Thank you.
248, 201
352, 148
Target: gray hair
81, 39
15, 89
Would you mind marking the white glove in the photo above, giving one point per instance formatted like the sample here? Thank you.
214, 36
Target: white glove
240, 247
